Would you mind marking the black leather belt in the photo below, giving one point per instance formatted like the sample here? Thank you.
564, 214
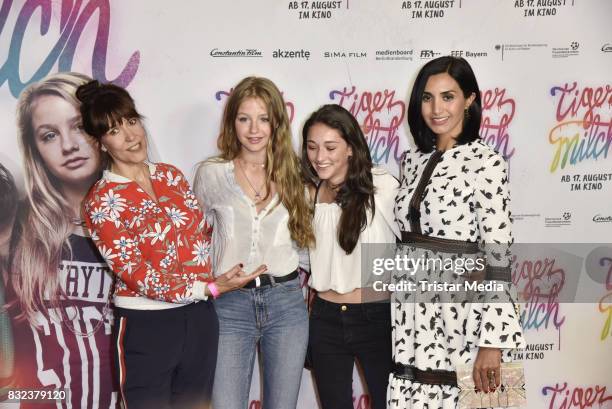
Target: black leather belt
430, 376
436, 243
266, 279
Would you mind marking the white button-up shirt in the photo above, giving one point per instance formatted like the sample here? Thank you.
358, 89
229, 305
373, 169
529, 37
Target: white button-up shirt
240, 234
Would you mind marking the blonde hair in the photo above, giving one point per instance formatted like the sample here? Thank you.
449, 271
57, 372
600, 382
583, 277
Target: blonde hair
44, 227
282, 163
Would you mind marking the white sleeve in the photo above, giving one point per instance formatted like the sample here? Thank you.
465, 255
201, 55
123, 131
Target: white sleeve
386, 191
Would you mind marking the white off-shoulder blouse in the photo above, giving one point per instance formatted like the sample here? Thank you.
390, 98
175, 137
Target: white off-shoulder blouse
333, 269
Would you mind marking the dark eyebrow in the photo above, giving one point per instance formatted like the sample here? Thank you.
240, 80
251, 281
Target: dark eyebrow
324, 142
450, 91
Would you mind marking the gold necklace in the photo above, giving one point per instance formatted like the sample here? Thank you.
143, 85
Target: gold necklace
258, 197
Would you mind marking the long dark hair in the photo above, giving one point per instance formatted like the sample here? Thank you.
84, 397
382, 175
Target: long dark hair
460, 71
356, 195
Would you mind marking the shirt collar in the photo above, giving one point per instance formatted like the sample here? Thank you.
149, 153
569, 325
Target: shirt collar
113, 177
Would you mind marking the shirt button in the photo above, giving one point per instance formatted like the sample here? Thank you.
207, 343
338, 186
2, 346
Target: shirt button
344, 308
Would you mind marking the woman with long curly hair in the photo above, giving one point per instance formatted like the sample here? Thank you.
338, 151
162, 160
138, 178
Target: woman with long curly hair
58, 283
256, 199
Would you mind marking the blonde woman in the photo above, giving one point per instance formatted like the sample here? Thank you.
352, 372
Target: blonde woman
256, 201
59, 284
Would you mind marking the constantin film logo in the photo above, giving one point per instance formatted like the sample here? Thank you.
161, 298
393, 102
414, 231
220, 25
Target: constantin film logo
239, 53
598, 218
606, 48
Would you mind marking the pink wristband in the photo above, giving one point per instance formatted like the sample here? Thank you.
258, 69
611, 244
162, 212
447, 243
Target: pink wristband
212, 287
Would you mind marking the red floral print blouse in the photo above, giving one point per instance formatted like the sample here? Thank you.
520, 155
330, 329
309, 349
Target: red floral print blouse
156, 249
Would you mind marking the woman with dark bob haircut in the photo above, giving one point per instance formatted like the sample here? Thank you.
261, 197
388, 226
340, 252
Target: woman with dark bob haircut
424, 137
353, 205
146, 223
453, 209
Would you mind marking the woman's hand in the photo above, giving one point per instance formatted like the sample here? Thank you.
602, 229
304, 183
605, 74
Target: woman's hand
236, 278
488, 361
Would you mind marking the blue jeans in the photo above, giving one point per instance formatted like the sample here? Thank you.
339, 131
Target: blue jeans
274, 316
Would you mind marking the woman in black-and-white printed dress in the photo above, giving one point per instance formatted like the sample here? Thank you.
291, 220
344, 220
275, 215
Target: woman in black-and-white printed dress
453, 187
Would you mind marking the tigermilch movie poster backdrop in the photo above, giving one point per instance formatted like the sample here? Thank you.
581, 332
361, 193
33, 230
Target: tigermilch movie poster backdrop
544, 68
